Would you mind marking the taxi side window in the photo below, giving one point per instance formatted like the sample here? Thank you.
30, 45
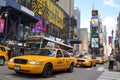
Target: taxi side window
66, 54
2, 49
59, 54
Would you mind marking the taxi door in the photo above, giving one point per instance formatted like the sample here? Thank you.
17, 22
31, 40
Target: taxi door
60, 61
67, 58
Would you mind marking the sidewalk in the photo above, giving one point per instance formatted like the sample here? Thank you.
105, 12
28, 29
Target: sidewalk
110, 75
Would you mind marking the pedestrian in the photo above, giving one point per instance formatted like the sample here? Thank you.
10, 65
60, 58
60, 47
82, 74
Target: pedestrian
118, 61
111, 61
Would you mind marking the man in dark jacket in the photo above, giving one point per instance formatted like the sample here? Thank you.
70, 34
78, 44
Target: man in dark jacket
118, 61
111, 61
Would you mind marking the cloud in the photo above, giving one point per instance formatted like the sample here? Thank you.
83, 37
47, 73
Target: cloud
111, 3
86, 24
108, 21
110, 24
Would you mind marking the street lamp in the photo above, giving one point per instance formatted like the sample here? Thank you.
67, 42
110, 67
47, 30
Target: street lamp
112, 32
5, 13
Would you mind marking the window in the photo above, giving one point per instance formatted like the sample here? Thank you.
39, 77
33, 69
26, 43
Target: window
66, 54
2, 49
25, 3
59, 54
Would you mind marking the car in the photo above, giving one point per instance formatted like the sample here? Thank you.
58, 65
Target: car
3, 55
100, 60
43, 61
85, 61
105, 59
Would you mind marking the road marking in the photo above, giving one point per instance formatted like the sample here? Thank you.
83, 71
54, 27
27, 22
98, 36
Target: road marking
88, 69
100, 68
8, 76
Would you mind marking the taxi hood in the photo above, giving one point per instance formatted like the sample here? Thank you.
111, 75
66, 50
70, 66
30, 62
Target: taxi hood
33, 57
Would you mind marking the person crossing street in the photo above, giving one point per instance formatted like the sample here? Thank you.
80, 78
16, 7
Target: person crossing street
111, 61
118, 61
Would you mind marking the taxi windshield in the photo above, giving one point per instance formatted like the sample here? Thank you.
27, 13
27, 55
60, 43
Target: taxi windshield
43, 52
84, 56
32, 45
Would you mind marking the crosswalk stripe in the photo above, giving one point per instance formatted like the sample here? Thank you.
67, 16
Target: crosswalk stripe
100, 69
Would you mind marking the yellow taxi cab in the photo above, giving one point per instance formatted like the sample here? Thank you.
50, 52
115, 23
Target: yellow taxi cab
105, 59
100, 60
43, 61
85, 61
3, 55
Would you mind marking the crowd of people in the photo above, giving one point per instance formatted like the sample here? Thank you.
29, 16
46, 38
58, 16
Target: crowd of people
114, 59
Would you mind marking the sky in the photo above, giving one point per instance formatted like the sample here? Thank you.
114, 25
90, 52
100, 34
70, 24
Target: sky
109, 10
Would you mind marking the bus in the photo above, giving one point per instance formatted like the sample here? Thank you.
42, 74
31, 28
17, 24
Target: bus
37, 42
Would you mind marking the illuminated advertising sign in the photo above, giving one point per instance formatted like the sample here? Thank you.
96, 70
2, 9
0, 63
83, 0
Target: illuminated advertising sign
94, 43
2, 23
94, 12
94, 22
94, 31
101, 38
51, 12
110, 39
39, 27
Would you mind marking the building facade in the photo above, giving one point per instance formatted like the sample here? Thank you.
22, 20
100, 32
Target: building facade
67, 5
77, 16
117, 37
84, 37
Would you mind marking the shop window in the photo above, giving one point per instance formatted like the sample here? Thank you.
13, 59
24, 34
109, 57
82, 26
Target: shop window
25, 3
17, 1
29, 4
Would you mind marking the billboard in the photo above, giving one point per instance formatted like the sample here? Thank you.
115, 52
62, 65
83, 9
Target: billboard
110, 39
39, 26
94, 12
94, 42
101, 38
2, 23
94, 21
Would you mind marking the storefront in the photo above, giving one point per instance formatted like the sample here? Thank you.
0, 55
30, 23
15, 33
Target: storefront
16, 20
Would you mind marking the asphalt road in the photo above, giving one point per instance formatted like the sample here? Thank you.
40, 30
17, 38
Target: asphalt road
79, 73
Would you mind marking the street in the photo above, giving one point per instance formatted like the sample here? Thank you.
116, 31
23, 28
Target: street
79, 73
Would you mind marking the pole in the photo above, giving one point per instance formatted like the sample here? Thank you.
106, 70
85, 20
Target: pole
6, 27
112, 40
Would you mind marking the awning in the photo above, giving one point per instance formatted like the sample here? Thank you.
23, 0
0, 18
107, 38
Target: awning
26, 13
74, 41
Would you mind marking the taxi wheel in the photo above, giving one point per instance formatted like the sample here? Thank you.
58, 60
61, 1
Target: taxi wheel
47, 71
95, 65
71, 68
18, 72
2, 61
91, 65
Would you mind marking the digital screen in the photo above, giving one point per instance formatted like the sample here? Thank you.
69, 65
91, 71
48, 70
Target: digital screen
94, 22
94, 12
94, 43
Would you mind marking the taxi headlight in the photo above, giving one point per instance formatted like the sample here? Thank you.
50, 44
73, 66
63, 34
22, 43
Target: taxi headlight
35, 62
11, 60
87, 61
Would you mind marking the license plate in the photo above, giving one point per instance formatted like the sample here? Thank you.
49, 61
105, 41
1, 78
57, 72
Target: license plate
79, 62
17, 67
